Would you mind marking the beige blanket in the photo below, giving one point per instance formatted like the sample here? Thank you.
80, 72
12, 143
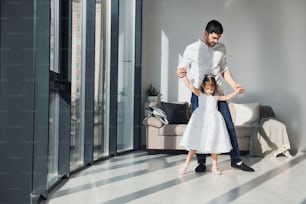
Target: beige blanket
270, 138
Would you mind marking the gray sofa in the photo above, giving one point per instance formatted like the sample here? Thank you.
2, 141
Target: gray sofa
162, 136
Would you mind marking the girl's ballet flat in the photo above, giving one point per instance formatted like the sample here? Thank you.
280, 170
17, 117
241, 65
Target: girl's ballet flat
216, 171
182, 170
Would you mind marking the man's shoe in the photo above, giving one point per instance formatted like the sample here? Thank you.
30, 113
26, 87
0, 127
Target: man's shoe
200, 168
243, 167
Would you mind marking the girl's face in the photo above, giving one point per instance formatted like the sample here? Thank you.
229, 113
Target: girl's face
209, 89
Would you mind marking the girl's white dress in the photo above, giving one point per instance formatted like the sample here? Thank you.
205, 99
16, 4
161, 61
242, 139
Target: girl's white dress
206, 130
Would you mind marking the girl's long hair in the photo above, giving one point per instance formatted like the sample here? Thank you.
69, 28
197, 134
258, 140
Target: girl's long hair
209, 80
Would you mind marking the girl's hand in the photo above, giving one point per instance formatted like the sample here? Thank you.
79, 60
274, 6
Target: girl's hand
240, 88
181, 72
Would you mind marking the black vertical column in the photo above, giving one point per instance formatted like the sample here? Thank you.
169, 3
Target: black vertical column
137, 85
17, 99
65, 94
113, 76
90, 81
41, 68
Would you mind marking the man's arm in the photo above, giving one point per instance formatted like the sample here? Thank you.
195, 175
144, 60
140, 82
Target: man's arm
227, 75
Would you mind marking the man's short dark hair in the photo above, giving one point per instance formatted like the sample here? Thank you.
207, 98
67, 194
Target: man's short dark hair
214, 26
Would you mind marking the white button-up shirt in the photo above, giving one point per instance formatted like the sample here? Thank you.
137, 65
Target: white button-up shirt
199, 59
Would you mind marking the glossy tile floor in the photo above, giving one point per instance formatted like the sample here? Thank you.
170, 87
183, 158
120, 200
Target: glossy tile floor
143, 179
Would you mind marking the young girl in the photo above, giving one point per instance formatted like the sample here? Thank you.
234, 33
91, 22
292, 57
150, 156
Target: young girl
206, 130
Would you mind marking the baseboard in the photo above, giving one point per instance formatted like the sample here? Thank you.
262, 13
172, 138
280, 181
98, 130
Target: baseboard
166, 151
176, 151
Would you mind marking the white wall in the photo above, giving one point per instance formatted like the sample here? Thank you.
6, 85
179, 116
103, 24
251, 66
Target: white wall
266, 45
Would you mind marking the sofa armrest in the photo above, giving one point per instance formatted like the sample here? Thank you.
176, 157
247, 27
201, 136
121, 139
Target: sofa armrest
152, 121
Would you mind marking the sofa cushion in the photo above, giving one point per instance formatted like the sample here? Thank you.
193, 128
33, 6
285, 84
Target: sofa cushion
172, 130
177, 113
245, 114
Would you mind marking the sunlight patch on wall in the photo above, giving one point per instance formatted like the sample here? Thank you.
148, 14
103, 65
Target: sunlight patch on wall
164, 67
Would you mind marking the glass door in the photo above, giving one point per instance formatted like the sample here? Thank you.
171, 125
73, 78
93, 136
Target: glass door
101, 100
53, 139
126, 63
78, 55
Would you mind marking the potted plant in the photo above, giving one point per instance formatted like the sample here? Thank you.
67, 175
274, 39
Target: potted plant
152, 93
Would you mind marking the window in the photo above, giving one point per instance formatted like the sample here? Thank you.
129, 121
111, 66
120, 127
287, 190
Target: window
77, 83
101, 95
53, 136
126, 64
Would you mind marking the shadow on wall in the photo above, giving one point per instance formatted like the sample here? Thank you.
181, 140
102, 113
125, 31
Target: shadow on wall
291, 116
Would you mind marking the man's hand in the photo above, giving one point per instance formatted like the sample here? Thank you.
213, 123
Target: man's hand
240, 88
181, 72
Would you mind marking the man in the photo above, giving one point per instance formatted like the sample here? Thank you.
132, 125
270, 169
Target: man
208, 56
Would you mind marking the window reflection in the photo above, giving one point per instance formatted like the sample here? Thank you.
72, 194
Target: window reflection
54, 97
101, 139
125, 120
54, 35
53, 138
77, 84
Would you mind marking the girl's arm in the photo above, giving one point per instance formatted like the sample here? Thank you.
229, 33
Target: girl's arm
192, 88
229, 96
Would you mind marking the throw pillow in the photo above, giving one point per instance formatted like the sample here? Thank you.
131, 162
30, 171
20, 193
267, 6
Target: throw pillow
177, 113
246, 114
157, 113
